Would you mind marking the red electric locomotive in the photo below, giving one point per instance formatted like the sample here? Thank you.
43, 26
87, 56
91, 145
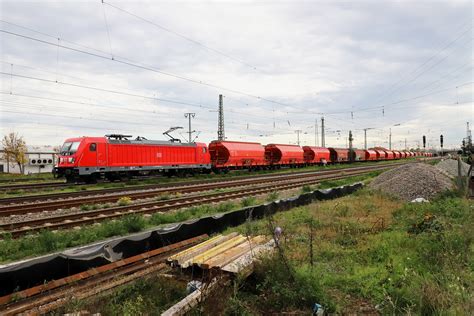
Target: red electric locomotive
115, 157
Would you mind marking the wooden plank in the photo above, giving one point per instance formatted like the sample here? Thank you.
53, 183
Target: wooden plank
230, 255
177, 256
245, 261
182, 257
190, 301
215, 251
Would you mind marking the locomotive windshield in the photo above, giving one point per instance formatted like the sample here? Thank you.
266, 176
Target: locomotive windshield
69, 148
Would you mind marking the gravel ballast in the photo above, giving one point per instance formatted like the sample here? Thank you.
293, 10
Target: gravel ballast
413, 181
451, 167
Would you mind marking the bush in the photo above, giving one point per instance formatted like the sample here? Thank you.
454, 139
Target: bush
47, 241
139, 298
272, 196
133, 223
306, 189
248, 201
125, 200
84, 207
280, 290
163, 197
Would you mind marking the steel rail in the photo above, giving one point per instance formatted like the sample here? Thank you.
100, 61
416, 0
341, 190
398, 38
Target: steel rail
79, 219
51, 295
8, 210
66, 195
32, 186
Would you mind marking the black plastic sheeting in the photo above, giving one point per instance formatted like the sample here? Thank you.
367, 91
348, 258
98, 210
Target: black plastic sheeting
24, 274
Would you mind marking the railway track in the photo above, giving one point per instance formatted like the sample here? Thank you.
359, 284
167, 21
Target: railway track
63, 221
33, 186
13, 180
65, 195
54, 294
57, 201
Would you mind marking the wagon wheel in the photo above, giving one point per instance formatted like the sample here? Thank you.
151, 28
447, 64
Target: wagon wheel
90, 179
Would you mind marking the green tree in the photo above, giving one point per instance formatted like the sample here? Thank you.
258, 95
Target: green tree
14, 150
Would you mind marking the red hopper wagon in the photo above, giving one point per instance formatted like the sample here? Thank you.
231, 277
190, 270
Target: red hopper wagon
315, 155
381, 155
370, 154
358, 155
389, 155
284, 155
236, 155
339, 154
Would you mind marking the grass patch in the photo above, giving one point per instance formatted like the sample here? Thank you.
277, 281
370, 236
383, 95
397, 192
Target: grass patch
306, 189
124, 200
367, 258
154, 293
248, 201
273, 196
349, 180
47, 241
33, 245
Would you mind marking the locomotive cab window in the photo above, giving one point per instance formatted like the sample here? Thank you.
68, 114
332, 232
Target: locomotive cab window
204, 149
69, 148
93, 147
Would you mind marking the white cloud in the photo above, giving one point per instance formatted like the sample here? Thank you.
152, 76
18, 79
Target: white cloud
321, 56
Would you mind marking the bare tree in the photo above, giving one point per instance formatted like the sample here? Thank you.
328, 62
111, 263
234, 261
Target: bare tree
14, 150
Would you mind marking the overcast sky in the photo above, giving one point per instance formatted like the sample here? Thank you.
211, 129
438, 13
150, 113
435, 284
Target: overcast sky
136, 68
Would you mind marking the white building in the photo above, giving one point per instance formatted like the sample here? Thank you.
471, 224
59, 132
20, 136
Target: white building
40, 159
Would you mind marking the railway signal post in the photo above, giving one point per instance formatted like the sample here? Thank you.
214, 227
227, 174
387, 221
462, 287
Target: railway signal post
441, 143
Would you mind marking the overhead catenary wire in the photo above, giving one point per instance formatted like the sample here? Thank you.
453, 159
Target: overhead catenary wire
187, 38
114, 107
246, 114
449, 44
461, 69
80, 118
108, 31
129, 94
84, 118
120, 60
15, 105
124, 61
422, 73
107, 90
392, 103
140, 96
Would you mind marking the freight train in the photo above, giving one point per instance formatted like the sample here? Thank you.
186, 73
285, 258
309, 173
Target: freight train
116, 157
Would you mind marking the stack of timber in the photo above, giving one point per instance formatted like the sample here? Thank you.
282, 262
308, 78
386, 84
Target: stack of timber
231, 253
